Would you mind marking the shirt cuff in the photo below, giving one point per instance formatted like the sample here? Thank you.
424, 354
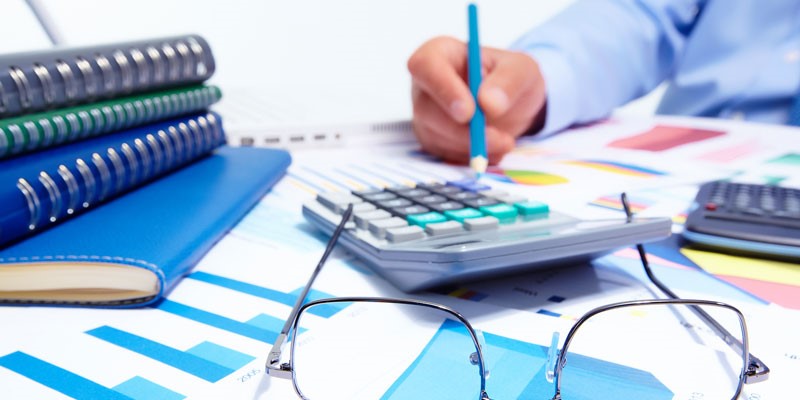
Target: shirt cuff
560, 88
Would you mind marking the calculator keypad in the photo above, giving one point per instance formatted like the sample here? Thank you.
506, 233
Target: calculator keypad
403, 214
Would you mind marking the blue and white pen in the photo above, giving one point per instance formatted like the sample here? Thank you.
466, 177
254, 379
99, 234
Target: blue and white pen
477, 126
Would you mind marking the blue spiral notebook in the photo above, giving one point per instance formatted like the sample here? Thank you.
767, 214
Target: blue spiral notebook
132, 251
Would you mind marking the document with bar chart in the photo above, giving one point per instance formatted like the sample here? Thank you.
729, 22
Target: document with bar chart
210, 337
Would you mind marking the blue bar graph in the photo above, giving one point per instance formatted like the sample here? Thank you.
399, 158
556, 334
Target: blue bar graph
221, 355
141, 389
518, 372
184, 361
218, 321
269, 294
57, 378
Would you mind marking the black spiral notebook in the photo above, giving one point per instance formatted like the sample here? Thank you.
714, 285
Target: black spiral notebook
55, 78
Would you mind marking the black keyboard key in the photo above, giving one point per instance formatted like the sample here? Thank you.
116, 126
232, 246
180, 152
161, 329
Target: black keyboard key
480, 201
409, 210
431, 199
394, 203
461, 196
446, 206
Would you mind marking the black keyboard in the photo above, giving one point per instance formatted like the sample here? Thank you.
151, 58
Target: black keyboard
766, 216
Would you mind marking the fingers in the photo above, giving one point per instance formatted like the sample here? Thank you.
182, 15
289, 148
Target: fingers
512, 93
439, 135
438, 67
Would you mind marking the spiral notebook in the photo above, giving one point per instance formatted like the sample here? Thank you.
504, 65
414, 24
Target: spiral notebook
36, 81
132, 251
44, 188
32, 132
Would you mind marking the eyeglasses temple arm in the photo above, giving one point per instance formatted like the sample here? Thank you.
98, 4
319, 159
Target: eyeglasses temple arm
275, 353
757, 371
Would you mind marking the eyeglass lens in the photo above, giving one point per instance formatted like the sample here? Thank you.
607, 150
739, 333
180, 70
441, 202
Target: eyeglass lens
375, 350
666, 348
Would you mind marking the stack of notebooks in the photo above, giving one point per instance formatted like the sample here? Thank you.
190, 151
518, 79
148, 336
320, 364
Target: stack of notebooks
114, 176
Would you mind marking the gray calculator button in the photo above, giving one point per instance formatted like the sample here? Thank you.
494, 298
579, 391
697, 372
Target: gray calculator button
511, 198
481, 224
494, 193
404, 234
381, 196
378, 227
362, 207
364, 217
443, 228
337, 202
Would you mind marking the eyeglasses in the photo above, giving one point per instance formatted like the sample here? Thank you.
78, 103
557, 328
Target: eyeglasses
387, 348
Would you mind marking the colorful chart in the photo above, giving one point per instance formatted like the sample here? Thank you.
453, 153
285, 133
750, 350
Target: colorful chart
775, 281
614, 202
664, 137
524, 177
617, 168
787, 159
728, 154
517, 371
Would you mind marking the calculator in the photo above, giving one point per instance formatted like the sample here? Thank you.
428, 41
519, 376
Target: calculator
438, 234
747, 218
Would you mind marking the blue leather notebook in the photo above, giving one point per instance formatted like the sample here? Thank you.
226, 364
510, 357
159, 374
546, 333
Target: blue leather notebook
133, 250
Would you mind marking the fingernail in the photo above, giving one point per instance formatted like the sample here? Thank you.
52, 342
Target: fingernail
497, 99
459, 112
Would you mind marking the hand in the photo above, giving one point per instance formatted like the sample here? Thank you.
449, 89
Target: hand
512, 96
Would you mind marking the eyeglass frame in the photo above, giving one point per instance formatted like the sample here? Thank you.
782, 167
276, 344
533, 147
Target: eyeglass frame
753, 370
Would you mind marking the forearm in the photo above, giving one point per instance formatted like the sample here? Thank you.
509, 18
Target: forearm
597, 55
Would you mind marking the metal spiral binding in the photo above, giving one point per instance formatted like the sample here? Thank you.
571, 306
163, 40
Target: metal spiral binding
133, 163
107, 72
3, 107
48, 134
88, 182
126, 72
89, 84
177, 139
105, 176
189, 146
54, 193
147, 165
172, 61
34, 205
159, 70
201, 69
158, 155
72, 187
169, 150
142, 68
185, 55
48, 89
70, 87
23, 88
119, 168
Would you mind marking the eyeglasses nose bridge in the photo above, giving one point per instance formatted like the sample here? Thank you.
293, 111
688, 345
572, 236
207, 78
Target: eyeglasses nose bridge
552, 358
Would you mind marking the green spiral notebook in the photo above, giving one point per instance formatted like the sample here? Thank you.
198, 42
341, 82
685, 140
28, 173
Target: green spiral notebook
32, 132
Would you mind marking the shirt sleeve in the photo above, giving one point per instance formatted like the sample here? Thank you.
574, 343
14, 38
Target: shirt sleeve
597, 55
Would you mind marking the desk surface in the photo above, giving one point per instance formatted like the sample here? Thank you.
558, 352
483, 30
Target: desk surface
214, 314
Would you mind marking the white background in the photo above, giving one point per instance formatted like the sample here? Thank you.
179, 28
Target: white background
340, 60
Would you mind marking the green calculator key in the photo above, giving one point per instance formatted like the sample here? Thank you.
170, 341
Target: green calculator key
503, 212
462, 214
532, 208
425, 218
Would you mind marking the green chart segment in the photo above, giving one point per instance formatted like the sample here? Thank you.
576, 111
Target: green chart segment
517, 371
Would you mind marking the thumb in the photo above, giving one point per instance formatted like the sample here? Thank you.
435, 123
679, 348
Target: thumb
510, 75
